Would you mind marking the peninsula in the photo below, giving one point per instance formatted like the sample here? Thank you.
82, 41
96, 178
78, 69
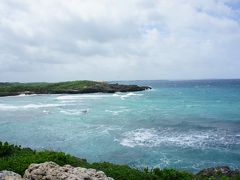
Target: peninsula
69, 87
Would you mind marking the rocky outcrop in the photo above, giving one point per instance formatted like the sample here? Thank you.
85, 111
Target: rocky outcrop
9, 175
102, 88
76, 87
2, 94
52, 171
217, 172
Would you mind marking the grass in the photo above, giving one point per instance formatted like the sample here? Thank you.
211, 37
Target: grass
38, 87
69, 87
17, 159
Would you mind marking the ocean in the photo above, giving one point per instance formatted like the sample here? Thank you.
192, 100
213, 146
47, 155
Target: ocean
187, 125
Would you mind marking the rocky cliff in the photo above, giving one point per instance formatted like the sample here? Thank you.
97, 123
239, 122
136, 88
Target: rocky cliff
70, 87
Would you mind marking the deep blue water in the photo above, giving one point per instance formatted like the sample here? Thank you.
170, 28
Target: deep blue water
179, 124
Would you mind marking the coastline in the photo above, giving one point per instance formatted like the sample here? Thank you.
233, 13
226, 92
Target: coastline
68, 87
17, 159
212, 103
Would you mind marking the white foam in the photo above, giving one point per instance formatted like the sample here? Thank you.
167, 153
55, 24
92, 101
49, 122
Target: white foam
74, 112
45, 111
83, 96
116, 95
96, 96
129, 95
138, 137
23, 95
116, 112
170, 136
68, 101
106, 130
6, 107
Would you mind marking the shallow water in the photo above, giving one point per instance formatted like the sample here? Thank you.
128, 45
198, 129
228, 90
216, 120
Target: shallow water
179, 124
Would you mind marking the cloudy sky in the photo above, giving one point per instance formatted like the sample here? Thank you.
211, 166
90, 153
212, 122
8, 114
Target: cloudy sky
57, 40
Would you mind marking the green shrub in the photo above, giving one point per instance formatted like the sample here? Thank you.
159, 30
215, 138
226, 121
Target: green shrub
17, 159
7, 150
170, 174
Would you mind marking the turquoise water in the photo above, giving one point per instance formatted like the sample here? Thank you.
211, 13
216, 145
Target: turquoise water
179, 124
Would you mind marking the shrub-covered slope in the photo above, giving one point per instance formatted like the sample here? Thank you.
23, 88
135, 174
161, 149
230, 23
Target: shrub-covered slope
69, 87
17, 159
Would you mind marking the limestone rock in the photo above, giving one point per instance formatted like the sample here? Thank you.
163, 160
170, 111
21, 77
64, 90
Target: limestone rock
9, 175
52, 171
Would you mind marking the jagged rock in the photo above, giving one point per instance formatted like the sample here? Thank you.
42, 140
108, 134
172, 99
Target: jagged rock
9, 175
52, 171
217, 172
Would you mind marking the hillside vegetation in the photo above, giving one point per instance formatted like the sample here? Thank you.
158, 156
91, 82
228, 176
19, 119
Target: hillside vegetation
69, 87
17, 159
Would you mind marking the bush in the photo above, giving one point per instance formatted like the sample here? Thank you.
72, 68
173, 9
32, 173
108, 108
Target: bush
170, 174
17, 159
7, 150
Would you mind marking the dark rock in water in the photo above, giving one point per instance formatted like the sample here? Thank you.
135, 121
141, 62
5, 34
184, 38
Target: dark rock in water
111, 88
2, 94
217, 172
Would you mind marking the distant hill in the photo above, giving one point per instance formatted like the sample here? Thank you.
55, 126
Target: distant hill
69, 87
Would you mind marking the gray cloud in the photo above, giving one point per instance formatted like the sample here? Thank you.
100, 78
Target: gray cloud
112, 40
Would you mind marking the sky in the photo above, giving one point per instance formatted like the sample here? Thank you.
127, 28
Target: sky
59, 40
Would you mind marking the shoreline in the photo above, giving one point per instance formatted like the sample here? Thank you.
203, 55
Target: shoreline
68, 87
17, 159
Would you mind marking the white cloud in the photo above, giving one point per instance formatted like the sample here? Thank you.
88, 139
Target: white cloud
109, 40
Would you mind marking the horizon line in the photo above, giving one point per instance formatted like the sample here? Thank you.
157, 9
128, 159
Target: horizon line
207, 79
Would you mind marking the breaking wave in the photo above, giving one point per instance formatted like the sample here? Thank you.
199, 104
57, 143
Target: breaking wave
96, 96
83, 96
6, 107
75, 112
23, 95
129, 95
117, 112
174, 137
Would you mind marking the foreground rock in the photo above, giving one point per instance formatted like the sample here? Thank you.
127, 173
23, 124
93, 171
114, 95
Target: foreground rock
9, 175
217, 172
52, 171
